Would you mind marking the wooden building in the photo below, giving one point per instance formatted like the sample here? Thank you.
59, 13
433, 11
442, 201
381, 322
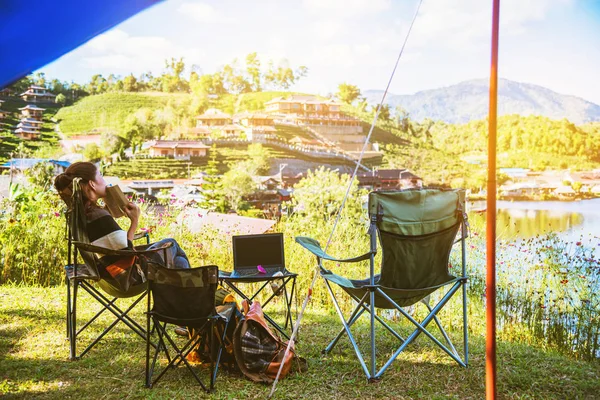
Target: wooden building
178, 149
32, 111
213, 118
38, 94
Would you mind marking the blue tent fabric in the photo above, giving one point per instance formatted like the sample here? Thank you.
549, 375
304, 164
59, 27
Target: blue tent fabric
26, 163
34, 33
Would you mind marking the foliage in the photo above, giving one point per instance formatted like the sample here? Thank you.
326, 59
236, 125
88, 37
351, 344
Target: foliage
320, 195
347, 93
237, 183
61, 99
523, 141
211, 192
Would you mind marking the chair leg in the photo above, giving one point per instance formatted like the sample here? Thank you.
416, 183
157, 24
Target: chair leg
73, 324
353, 318
68, 318
348, 332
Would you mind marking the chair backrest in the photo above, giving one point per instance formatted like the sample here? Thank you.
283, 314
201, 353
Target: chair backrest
417, 229
181, 296
77, 231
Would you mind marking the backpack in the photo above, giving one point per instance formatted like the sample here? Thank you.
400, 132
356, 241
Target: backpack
225, 302
259, 351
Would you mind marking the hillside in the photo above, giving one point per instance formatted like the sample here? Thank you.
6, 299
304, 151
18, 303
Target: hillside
9, 143
468, 101
108, 111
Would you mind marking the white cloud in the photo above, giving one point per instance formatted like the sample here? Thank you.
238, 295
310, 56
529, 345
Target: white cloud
202, 12
467, 23
346, 8
123, 53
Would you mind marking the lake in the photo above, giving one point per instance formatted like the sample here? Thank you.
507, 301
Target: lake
525, 219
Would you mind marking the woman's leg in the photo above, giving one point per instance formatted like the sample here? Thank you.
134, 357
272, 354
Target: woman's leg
176, 257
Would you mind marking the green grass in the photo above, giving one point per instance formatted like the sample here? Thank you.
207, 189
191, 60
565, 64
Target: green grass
109, 110
34, 362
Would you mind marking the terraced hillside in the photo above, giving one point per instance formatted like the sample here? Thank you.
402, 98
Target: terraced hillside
167, 168
109, 110
9, 143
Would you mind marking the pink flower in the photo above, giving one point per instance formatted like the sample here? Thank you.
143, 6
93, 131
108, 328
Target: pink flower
260, 269
56, 214
578, 244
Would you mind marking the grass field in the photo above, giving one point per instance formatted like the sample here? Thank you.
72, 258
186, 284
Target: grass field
34, 363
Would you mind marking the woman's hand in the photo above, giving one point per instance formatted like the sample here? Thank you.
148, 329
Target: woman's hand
133, 212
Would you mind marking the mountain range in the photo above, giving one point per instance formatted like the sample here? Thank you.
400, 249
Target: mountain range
468, 100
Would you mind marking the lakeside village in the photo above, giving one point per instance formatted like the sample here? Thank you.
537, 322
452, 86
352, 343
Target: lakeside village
327, 135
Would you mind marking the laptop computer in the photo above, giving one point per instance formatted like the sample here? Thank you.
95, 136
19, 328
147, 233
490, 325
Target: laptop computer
250, 251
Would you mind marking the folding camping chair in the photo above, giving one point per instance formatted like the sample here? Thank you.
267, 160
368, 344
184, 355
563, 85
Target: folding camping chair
185, 297
87, 276
417, 230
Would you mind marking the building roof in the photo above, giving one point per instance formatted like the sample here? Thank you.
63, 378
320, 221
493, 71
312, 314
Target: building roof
213, 113
232, 127
304, 99
32, 107
27, 125
256, 115
201, 129
25, 129
31, 92
178, 144
31, 121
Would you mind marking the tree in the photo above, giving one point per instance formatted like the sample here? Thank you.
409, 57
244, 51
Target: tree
237, 183
130, 84
60, 99
347, 93
211, 188
321, 193
258, 159
253, 70
92, 152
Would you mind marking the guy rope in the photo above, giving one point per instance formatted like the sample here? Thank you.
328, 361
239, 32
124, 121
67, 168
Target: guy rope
339, 212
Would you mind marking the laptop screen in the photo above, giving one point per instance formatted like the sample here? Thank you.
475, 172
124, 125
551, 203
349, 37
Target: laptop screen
252, 250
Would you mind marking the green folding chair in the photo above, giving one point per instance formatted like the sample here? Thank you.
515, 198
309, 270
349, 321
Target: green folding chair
417, 230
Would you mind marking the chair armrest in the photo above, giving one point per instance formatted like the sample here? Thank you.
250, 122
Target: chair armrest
315, 247
142, 235
103, 250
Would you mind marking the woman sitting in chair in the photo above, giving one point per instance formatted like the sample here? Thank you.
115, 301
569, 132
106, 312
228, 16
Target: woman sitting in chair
102, 229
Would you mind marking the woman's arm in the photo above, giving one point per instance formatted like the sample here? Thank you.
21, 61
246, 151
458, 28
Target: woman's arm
133, 213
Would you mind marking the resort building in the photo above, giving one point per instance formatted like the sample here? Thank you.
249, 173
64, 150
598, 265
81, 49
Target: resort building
28, 128
32, 111
213, 118
309, 110
178, 149
256, 125
323, 119
37, 94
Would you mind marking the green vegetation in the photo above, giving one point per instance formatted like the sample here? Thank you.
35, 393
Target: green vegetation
536, 336
35, 362
108, 111
530, 142
46, 146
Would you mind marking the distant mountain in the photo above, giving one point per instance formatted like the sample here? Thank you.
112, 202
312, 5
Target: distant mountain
469, 100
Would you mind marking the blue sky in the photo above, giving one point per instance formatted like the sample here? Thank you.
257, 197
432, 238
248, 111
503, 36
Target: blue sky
553, 43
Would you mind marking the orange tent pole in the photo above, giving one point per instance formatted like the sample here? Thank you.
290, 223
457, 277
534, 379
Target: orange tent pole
490, 283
